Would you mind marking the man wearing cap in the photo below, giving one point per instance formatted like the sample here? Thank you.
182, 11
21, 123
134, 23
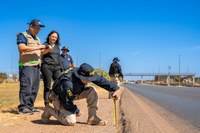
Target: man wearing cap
115, 70
66, 59
74, 86
30, 50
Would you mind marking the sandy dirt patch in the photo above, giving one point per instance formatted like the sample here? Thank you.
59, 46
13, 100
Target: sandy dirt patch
10, 121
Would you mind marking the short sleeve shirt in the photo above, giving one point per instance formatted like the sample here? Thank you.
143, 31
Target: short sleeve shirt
21, 39
66, 61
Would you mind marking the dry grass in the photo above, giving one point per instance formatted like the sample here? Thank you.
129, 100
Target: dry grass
9, 96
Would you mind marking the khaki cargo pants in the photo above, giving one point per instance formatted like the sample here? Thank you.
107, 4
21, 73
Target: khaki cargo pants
68, 118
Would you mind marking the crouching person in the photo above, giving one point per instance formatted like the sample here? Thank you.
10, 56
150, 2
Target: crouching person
73, 85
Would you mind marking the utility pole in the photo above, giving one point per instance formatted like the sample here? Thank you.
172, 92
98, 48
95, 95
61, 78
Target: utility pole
179, 70
188, 69
11, 63
99, 59
169, 67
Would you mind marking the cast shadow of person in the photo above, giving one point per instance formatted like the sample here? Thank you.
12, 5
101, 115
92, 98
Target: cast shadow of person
15, 111
53, 122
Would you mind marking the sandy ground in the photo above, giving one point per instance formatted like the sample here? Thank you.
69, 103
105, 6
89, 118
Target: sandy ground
135, 115
11, 122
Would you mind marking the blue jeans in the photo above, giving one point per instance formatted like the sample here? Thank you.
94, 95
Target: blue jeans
29, 85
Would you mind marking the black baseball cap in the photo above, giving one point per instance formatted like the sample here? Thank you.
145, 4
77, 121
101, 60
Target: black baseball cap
36, 22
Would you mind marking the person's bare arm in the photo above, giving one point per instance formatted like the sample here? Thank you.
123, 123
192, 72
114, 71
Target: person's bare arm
72, 65
24, 48
46, 50
117, 93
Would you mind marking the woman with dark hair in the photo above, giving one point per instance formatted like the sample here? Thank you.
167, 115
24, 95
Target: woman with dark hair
51, 66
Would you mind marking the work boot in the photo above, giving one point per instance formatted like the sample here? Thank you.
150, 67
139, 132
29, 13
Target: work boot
95, 120
45, 115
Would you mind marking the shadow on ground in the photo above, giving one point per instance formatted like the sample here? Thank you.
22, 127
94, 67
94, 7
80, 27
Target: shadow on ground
12, 111
51, 122
15, 111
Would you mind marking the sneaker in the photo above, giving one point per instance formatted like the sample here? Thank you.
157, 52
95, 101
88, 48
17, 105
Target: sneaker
25, 111
96, 121
35, 110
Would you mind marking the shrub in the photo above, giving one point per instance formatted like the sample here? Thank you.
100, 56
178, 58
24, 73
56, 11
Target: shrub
102, 73
3, 76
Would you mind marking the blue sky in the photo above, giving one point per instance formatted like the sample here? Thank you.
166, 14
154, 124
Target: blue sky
147, 36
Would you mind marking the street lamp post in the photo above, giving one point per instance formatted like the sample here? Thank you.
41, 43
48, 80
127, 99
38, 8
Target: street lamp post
179, 70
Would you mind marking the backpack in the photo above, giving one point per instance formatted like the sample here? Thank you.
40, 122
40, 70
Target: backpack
115, 68
66, 76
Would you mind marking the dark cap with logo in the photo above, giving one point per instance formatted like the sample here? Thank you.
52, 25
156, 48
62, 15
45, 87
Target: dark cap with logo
36, 22
65, 48
85, 72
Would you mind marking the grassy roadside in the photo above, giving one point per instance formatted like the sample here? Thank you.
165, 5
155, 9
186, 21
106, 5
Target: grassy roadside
9, 96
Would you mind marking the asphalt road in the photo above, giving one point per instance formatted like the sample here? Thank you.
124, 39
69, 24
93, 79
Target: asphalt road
184, 102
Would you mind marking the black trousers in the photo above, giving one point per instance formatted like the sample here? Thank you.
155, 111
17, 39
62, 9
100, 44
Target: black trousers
49, 72
29, 77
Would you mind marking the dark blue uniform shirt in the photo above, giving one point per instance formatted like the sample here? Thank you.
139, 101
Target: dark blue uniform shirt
115, 68
66, 61
75, 85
